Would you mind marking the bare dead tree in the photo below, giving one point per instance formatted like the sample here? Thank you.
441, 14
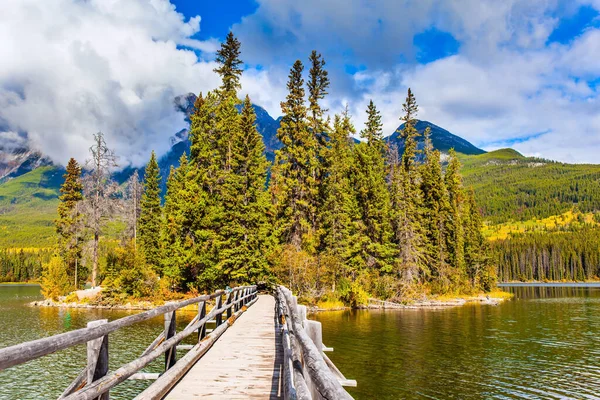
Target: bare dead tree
131, 206
100, 194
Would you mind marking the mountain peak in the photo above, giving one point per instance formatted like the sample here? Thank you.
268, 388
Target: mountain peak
442, 139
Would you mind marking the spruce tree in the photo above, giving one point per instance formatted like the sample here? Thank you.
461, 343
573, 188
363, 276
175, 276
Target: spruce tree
292, 180
151, 215
317, 84
480, 272
454, 224
340, 242
229, 65
245, 230
435, 209
369, 181
68, 224
407, 201
176, 226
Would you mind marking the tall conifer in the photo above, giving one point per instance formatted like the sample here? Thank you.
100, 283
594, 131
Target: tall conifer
293, 181
340, 207
151, 215
455, 238
372, 194
69, 219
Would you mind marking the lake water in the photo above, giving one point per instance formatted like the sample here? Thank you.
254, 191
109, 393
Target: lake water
544, 344
47, 377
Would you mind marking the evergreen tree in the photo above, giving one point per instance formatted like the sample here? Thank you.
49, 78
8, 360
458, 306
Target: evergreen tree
454, 225
340, 207
245, 227
293, 182
435, 209
68, 224
177, 234
151, 215
317, 84
373, 199
480, 272
407, 201
229, 65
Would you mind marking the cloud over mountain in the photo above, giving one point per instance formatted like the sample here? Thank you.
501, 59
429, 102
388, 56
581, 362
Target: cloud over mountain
72, 68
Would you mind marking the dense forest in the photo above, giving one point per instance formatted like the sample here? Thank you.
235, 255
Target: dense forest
334, 220
509, 186
22, 265
555, 255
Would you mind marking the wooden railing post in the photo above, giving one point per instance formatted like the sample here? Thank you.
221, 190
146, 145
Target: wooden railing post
170, 329
97, 357
236, 296
201, 314
219, 304
228, 302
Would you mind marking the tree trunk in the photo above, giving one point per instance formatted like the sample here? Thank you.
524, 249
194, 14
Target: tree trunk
95, 265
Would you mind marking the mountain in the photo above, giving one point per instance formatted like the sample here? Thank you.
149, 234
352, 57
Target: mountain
511, 187
19, 161
442, 139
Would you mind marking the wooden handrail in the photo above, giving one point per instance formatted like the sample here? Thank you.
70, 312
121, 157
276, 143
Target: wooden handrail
24, 352
325, 383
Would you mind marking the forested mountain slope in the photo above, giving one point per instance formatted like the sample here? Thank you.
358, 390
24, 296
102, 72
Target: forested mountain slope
509, 186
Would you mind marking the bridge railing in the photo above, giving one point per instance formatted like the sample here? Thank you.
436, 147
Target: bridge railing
307, 371
95, 382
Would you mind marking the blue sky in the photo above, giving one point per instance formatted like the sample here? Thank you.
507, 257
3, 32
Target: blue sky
519, 73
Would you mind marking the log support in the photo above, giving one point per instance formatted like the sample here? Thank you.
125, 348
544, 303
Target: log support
97, 357
170, 330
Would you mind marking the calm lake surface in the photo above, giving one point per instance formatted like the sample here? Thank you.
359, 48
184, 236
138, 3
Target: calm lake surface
544, 344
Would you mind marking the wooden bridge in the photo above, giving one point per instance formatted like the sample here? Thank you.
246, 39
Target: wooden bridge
262, 346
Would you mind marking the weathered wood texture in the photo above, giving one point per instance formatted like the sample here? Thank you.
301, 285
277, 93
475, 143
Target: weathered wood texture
243, 364
322, 383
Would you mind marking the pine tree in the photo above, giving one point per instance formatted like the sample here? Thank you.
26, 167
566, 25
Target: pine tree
229, 65
369, 181
455, 237
68, 224
151, 214
317, 84
245, 225
340, 241
292, 181
176, 226
435, 209
481, 273
407, 201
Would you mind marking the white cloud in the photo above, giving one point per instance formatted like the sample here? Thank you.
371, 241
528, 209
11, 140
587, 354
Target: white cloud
72, 68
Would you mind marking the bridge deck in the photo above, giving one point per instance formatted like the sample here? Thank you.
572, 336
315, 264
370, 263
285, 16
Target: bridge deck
244, 363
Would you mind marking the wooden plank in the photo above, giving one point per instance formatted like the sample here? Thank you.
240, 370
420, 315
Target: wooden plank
243, 363
162, 386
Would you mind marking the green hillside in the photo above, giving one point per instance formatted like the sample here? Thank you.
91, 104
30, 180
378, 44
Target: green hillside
509, 186
28, 208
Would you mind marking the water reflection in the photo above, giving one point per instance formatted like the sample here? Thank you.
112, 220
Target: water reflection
542, 345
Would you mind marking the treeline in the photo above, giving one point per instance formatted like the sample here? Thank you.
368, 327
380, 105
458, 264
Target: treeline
336, 219
550, 256
20, 265
526, 188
